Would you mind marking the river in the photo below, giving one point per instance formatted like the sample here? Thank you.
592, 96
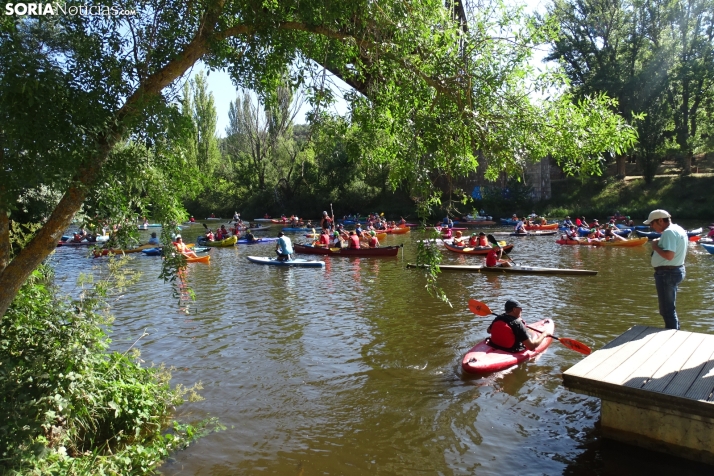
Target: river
355, 369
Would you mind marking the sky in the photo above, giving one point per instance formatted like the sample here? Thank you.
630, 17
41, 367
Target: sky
223, 90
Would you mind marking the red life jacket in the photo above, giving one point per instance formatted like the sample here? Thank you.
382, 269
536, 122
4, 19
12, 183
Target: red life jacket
502, 335
354, 241
324, 239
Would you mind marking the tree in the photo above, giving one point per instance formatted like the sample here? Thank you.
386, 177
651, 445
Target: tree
655, 57
205, 120
99, 82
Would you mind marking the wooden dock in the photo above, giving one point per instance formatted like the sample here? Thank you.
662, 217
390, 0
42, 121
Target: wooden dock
657, 390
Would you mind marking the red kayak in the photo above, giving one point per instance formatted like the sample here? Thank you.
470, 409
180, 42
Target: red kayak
484, 358
317, 250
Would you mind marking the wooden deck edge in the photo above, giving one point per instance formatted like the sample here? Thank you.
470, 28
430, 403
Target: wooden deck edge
678, 406
653, 444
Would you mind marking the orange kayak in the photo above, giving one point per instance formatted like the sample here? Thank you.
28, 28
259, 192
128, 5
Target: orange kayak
551, 226
200, 259
399, 230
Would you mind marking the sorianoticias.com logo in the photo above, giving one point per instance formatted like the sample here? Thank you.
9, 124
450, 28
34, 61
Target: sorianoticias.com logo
57, 8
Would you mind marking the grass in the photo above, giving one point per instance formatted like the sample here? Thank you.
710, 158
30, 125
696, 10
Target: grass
683, 197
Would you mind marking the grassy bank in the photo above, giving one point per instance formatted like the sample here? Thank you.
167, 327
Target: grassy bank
683, 197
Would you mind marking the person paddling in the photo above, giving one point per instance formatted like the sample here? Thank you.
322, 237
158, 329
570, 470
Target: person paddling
284, 247
493, 258
508, 331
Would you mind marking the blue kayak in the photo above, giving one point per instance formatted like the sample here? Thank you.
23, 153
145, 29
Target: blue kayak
159, 251
708, 247
301, 263
621, 231
651, 235
244, 241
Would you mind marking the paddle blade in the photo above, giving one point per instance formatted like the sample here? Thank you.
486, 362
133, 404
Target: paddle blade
575, 345
479, 308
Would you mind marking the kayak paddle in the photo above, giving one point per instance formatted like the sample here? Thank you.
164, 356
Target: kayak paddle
481, 309
492, 239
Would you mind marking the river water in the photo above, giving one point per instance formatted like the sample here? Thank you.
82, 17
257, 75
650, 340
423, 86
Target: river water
355, 369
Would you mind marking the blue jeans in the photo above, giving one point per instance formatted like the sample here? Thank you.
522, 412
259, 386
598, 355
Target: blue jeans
666, 282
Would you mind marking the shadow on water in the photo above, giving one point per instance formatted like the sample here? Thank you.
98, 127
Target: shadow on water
602, 456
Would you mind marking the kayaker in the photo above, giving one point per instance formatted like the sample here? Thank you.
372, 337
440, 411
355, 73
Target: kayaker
493, 258
373, 242
213, 215
482, 241
458, 239
324, 239
192, 219
209, 235
183, 249
326, 221
610, 234
284, 247
572, 233
509, 332
711, 231
353, 241
520, 228
473, 240
336, 240
668, 254
250, 236
154, 240
567, 222
236, 216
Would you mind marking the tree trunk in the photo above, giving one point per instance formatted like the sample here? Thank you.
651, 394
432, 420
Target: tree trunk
14, 274
621, 169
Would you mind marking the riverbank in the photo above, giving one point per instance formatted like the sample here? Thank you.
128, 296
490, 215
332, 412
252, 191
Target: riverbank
683, 196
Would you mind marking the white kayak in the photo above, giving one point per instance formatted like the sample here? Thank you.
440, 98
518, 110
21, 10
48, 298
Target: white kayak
301, 263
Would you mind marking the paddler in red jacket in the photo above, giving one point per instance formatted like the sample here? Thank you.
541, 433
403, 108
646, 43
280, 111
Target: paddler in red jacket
509, 332
324, 240
353, 241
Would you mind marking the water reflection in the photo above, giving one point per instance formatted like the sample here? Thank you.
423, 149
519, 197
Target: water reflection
355, 369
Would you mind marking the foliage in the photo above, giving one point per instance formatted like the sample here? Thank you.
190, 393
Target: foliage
68, 405
431, 97
656, 58
683, 197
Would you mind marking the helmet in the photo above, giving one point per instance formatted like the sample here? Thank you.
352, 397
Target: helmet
373, 233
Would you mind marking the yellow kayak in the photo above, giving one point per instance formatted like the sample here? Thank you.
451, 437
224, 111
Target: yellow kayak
223, 243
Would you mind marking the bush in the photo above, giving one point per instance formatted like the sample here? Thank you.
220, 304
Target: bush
67, 404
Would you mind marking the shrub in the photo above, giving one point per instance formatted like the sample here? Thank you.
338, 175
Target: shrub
70, 406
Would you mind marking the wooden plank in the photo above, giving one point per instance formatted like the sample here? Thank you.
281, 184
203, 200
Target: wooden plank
644, 373
654, 342
586, 365
703, 387
630, 334
692, 369
623, 354
664, 375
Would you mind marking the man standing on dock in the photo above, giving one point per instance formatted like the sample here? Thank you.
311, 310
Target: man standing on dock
668, 253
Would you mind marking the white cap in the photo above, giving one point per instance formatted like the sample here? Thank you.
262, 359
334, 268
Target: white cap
656, 214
